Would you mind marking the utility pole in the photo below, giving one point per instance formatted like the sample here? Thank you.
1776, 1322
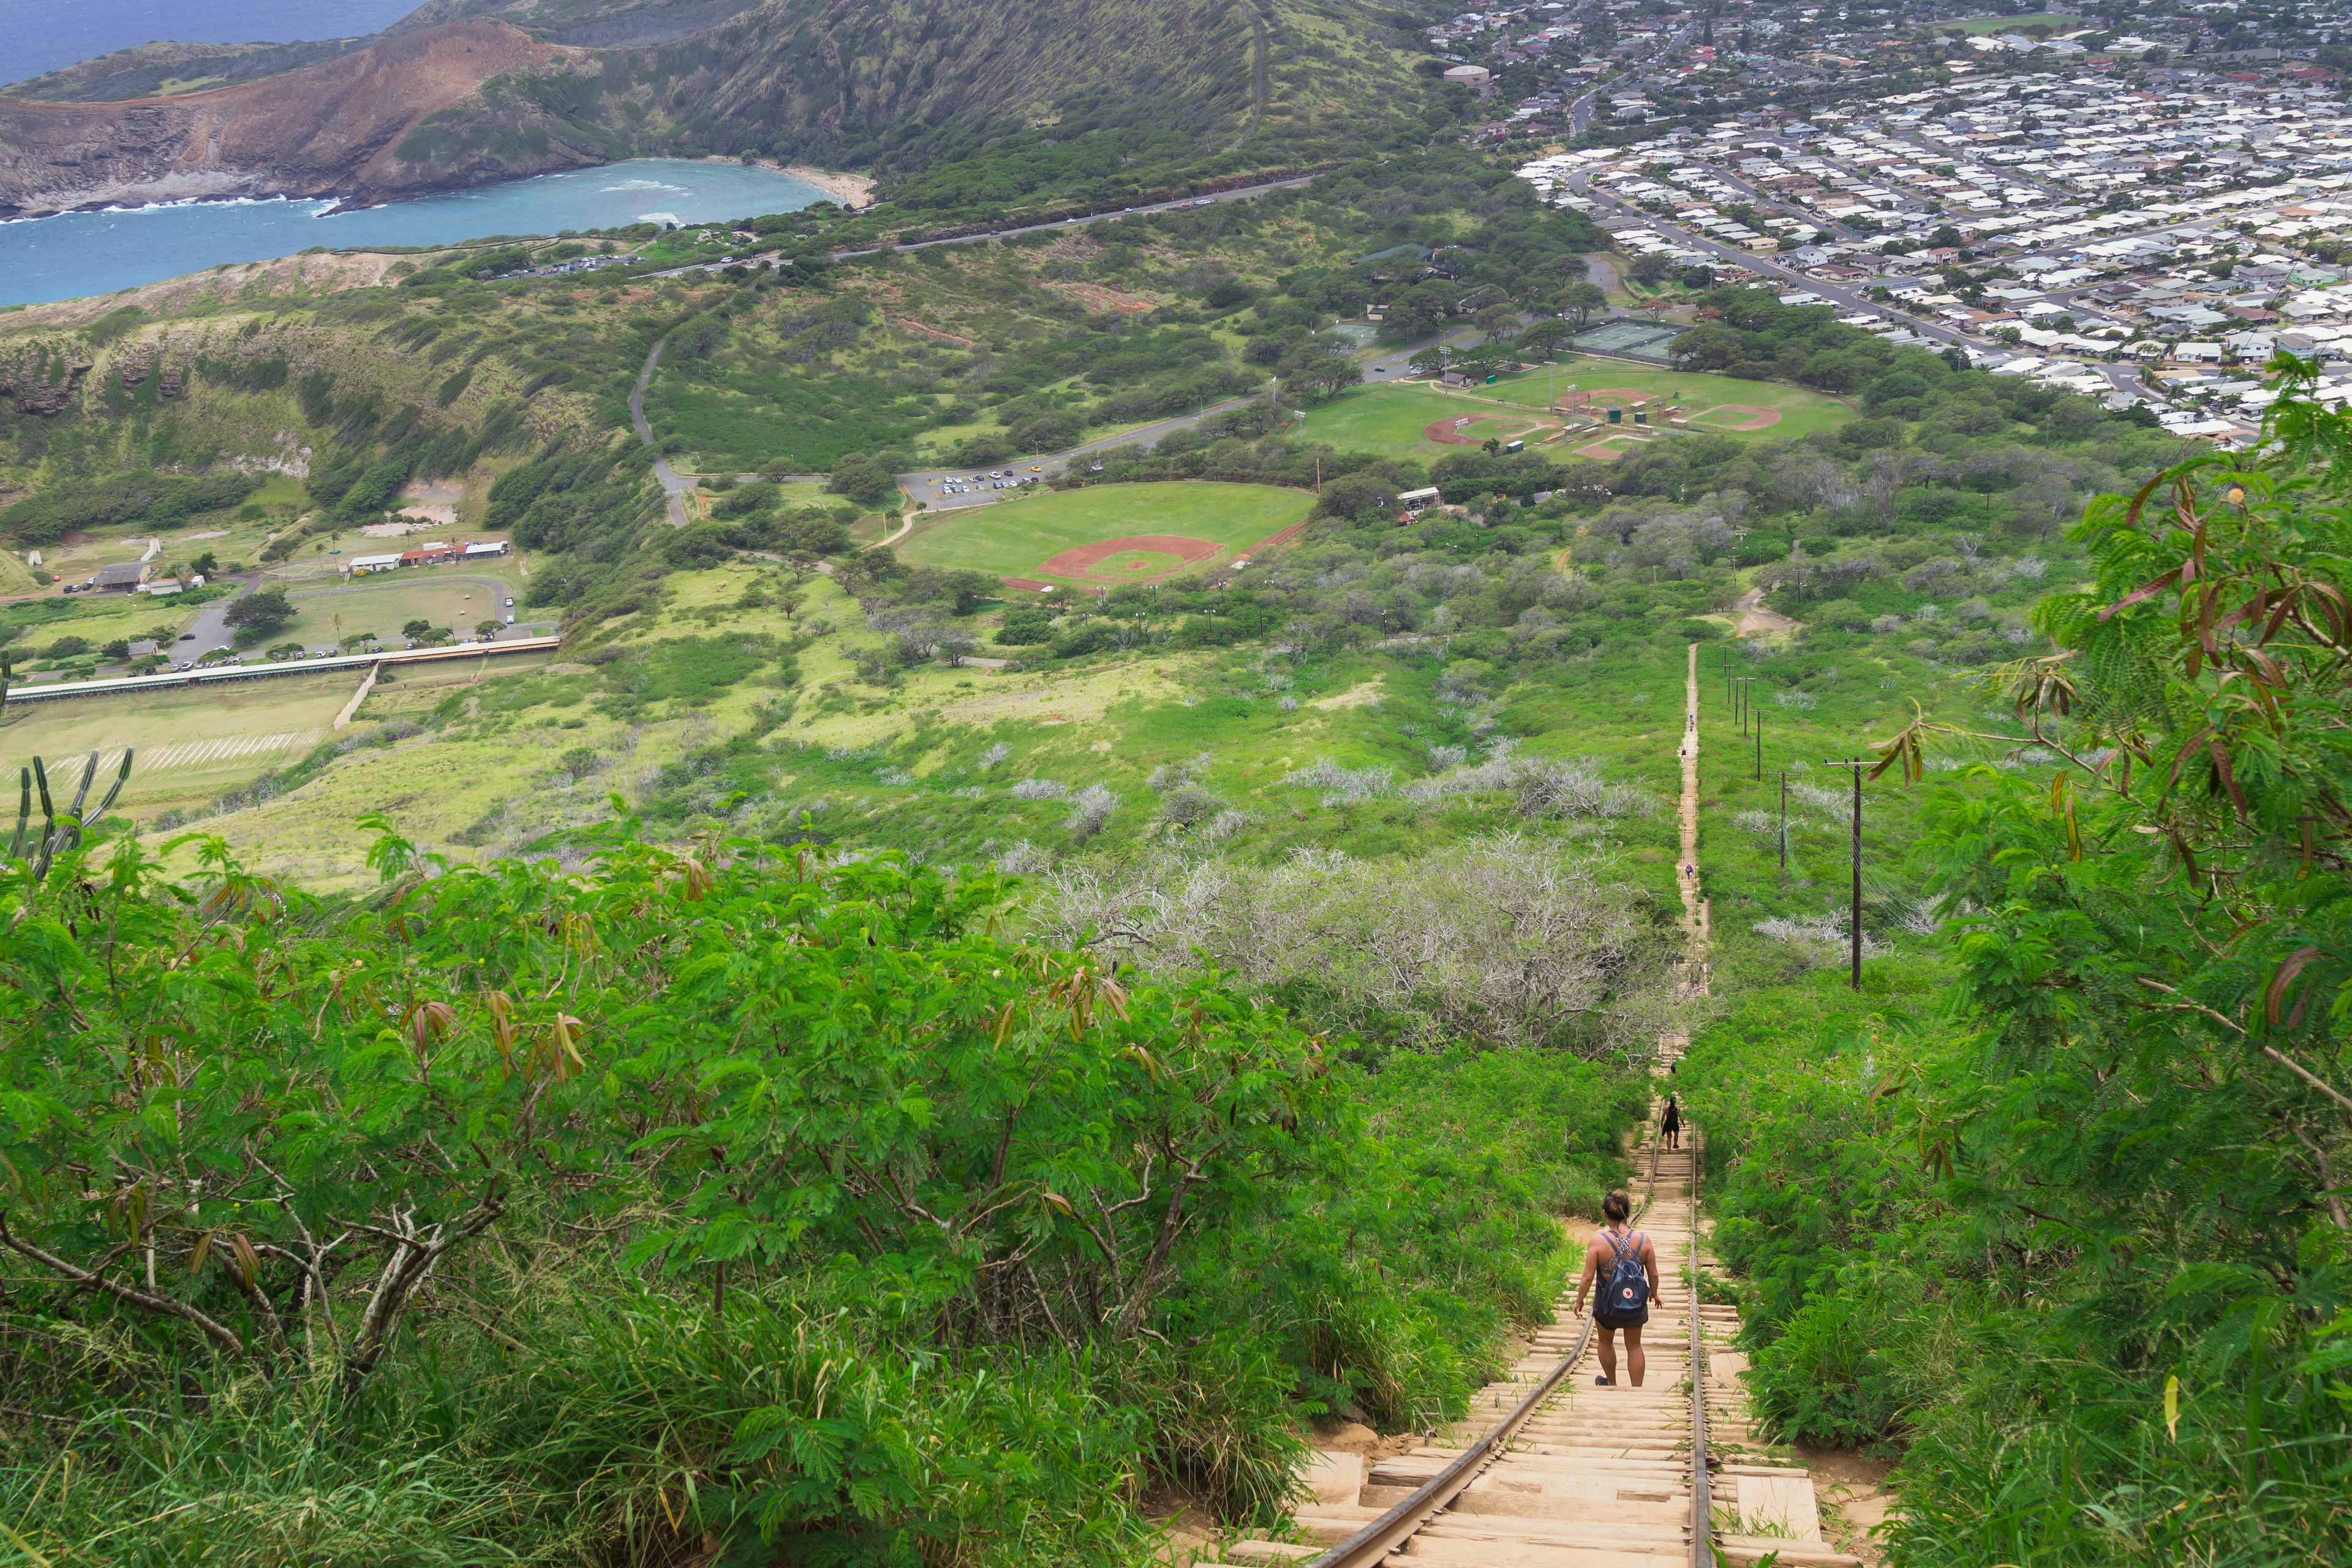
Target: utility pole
1857, 765
1759, 745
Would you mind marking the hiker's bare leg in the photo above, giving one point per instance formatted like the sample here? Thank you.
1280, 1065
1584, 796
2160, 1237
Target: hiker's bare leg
1609, 1354
1635, 1362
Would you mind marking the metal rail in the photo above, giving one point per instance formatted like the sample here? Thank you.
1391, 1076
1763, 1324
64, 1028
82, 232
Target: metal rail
1372, 1544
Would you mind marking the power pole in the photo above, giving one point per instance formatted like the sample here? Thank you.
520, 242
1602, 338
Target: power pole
1857, 765
1759, 745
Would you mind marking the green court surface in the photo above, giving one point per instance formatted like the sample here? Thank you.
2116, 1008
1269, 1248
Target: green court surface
1062, 536
1721, 405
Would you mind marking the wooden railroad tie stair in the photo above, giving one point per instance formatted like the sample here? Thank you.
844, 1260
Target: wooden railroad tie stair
1597, 1476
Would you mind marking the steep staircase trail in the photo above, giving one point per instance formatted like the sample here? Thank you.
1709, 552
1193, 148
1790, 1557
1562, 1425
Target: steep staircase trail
1550, 1469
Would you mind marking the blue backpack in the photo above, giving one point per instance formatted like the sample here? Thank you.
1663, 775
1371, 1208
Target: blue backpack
1628, 1290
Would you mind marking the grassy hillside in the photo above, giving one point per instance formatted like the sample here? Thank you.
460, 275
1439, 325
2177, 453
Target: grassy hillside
1407, 782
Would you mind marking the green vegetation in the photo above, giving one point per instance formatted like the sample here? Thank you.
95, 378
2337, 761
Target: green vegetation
748, 1240
2054, 1212
1016, 538
1378, 829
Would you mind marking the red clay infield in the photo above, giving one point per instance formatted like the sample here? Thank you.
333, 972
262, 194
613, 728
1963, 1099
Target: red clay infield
1075, 561
1443, 432
1752, 417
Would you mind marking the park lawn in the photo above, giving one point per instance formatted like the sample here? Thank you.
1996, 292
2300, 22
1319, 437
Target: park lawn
383, 604
1802, 411
190, 746
1386, 419
1014, 538
1390, 420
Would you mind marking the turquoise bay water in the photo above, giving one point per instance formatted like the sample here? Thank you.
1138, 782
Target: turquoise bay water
76, 254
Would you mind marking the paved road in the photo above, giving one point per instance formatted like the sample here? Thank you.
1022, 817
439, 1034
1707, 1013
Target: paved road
674, 484
1242, 193
210, 628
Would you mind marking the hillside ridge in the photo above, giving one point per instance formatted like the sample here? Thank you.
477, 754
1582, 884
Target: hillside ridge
334, 128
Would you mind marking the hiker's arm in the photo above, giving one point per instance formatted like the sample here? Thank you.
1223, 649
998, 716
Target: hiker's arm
1657, 1275
1584, 1283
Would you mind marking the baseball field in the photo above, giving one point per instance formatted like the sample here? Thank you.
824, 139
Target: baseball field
1106, 534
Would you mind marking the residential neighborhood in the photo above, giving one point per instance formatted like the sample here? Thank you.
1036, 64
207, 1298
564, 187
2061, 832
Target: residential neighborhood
2143, 204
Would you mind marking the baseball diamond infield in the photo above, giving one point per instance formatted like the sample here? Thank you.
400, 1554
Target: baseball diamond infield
1078, 561
1515, 427
1741, 416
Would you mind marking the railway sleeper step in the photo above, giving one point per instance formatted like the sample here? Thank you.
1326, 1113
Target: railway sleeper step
1567, 1530
1494, 1553
1656, 1503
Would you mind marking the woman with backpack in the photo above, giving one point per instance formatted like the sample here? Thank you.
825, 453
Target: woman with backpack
1627, 1267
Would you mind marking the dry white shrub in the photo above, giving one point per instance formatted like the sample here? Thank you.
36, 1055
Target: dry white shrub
1040, 789
1344, 786
1822, 941
1507, 941
1089, 809
1024, 858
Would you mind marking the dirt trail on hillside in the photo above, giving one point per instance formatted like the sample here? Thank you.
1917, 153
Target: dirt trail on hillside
1754, 620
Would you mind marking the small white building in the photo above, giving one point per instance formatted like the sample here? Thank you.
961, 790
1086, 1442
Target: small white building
361, 565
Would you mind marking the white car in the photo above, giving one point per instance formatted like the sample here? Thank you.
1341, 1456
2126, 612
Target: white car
509, 604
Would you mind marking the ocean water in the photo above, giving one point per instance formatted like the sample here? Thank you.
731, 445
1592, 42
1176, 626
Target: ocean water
76, 254
37, 35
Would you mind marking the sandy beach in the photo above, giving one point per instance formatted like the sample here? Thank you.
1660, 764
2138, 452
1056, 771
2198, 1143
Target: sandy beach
850, 190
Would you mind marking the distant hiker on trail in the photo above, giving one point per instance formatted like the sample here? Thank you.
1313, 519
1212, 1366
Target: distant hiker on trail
1672, 1124
1627, 1267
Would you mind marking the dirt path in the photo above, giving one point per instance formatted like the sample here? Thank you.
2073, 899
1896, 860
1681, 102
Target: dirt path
1753, 620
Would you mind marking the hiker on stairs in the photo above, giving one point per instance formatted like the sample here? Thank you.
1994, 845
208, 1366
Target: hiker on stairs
1627, 1267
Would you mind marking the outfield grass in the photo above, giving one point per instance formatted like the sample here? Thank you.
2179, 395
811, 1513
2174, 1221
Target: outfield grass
1383, 419
1802, 412
1016, 538
376, 604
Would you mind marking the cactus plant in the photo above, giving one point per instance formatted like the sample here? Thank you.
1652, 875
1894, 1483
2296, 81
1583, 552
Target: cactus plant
59, 836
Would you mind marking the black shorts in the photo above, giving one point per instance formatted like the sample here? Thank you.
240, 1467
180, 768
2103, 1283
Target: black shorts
1632, 1319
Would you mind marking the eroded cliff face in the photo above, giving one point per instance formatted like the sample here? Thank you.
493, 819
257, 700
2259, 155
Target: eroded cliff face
346, 128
